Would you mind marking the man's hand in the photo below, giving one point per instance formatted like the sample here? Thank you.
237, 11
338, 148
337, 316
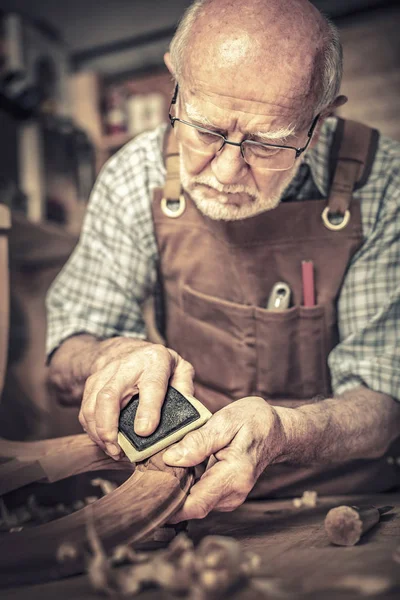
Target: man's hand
249, 434
123, 369
244, 437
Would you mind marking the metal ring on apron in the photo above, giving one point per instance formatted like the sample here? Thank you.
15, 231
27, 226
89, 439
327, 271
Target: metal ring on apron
335, 226
170, 212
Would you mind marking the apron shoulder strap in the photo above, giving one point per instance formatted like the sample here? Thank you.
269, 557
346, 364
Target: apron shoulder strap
352, 156
172, 186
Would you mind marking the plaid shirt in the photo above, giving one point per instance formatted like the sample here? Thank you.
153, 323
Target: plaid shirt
112, 271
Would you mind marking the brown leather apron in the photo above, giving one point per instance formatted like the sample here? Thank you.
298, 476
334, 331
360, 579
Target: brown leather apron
217, 277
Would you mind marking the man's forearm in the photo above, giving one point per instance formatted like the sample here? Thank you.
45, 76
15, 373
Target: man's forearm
76, 359
358, 424
71, 365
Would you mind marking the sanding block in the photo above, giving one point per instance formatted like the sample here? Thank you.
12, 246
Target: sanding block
179, 415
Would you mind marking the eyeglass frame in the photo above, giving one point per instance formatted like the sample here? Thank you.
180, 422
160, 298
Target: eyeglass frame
298, 151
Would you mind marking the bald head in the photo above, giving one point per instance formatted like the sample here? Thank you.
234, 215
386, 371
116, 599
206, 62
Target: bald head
277, 44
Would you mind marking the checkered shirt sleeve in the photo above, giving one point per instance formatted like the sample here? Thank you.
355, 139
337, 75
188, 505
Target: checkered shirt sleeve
112, 270
369, 303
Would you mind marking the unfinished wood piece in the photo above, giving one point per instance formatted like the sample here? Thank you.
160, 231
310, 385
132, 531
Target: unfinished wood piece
130, 514
50, 461
345, 525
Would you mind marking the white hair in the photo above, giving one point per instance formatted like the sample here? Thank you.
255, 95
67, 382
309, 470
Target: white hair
331, 70
329, 67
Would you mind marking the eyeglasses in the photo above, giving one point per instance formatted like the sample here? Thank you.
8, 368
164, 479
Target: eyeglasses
272, 157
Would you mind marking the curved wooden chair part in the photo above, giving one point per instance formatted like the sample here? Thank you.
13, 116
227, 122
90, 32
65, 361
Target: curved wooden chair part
151, 493
147, 498
5, 224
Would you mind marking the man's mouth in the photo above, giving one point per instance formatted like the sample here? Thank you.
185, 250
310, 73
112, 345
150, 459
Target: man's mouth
224, 197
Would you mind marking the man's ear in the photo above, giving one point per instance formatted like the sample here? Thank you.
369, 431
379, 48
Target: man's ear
168, 63
332, 108
327, 112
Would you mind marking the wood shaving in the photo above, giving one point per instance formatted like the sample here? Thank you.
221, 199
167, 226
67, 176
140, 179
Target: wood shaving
396, 555
270, 588
309, 499
365, 585
106, 486
66, 552
38, 512
211, 571
90, 499
99, 568
122, 554
33, 513
8, 520
63, 509
251, 564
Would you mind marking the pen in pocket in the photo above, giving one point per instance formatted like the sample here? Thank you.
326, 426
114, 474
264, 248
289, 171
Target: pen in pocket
307, 275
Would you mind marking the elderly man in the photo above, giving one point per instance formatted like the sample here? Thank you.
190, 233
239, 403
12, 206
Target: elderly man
254, 177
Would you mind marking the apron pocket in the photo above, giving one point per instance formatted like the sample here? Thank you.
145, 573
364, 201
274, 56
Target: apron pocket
218, 338
292, 353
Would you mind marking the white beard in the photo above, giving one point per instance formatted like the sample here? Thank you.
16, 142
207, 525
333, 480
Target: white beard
216, 207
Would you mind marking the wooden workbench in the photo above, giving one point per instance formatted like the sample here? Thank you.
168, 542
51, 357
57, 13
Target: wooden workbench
294, 551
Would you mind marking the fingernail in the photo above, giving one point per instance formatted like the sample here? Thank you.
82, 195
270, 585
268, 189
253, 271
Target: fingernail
174, 455
112, 449
142, 426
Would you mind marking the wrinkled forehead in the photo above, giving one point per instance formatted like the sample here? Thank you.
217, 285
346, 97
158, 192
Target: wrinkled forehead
234, 101
231, 77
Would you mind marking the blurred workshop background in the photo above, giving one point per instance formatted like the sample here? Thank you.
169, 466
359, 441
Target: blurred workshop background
78, 79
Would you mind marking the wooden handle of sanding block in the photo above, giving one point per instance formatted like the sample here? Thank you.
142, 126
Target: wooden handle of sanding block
345, 525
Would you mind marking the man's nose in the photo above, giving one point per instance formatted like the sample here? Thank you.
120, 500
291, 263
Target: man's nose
228, 165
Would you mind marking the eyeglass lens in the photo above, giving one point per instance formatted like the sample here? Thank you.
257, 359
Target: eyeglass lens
206, 142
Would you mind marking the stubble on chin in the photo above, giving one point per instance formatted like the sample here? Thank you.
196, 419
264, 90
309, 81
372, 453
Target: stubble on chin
217, 210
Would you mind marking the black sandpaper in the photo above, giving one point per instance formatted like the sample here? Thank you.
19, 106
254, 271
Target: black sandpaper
176, 412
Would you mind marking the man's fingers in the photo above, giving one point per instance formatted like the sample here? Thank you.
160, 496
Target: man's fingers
190, 510
203, 497
221, 488
182, 378
151, 397
153, 385
87, 414
106, 415
148, 371
198, 445
100, 408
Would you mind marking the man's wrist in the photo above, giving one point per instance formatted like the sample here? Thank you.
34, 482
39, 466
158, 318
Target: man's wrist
299, 436
70, 367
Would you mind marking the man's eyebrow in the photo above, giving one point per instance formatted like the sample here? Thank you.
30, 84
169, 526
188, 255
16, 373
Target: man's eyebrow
281, 134
194, 115
263, 136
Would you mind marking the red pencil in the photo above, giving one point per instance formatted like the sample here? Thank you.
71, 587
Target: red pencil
307, 272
